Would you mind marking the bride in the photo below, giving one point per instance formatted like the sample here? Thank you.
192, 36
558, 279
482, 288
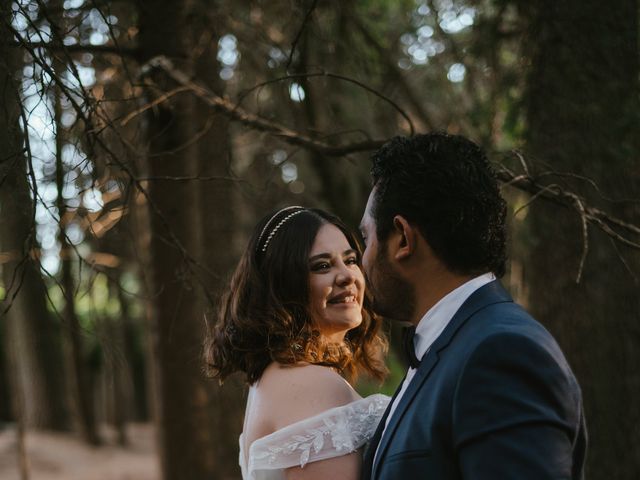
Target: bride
295, 320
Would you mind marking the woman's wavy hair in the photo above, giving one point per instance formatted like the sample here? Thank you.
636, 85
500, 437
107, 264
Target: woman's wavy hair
265, 316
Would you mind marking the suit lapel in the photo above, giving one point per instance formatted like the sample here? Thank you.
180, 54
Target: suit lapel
427, 364
367, 462
486, 295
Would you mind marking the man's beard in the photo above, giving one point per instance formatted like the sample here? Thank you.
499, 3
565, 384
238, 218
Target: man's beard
393, 296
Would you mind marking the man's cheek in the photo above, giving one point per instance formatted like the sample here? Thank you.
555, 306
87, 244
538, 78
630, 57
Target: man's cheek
365, 261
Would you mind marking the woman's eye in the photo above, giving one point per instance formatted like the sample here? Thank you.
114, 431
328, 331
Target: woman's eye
352, 261
318, 267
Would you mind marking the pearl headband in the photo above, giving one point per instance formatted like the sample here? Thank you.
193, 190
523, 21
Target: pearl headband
278, 225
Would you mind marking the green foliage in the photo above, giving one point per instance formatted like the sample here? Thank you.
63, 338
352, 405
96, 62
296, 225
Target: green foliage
397, 370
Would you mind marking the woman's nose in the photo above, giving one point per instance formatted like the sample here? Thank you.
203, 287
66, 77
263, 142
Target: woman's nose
345, 276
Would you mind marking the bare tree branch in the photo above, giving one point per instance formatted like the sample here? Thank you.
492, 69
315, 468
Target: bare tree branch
585, 236
294, 44
196, 178
338, 77
624, 261
161, 99
256, 122
57, 47
556, 194
94, 136
395, 72
524, 182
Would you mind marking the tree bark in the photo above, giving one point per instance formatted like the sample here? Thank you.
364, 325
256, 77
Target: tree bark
218, 226
186, 419
582, 104
30, 329
81, 384
134, 354
6, 413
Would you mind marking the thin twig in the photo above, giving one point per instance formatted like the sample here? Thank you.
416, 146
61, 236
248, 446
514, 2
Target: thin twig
551, 192
196, 178
162, 98
112, 34
613, 234
613, 220
92, 136
585, 236
100, 49
254, 121
624, 261
294, 44
547, 189
337, 77
383, 53
29, 241
524, 164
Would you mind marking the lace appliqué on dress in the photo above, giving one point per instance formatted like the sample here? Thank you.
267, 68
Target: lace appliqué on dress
336, 432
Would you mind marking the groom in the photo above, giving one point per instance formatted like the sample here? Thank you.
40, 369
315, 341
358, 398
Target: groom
489, 394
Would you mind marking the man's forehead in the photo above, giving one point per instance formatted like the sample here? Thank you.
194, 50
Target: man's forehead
367, 220
366, 216
369, 206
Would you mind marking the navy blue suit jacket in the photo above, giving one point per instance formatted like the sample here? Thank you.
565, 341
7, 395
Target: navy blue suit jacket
493, 398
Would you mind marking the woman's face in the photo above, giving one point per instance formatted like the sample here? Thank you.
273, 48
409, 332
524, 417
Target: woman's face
336, 283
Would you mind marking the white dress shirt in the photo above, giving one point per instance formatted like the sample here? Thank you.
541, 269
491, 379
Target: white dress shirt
431, 325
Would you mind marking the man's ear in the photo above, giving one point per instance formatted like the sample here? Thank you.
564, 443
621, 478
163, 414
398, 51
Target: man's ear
405, 238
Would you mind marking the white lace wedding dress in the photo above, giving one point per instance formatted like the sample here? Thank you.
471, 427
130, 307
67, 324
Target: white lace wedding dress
332, 433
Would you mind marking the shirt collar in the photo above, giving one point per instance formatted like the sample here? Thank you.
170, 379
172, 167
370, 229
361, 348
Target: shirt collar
438, 317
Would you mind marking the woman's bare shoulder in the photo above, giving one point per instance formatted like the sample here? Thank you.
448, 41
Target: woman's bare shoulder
293, 393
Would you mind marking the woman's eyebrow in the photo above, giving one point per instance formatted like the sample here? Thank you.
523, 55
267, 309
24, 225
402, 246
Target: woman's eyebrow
319, 256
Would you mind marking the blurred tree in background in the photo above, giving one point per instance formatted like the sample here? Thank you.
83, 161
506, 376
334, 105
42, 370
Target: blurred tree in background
140, 142
582, 109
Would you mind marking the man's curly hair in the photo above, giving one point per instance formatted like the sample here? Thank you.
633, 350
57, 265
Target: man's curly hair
445, 186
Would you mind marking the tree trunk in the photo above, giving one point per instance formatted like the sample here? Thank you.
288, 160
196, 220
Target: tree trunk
6, 413
188, 440
134, 354
146, 371
30, 329
218, 227
582, 105
81, 384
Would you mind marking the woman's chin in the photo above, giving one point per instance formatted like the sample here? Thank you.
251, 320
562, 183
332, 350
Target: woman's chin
341, 327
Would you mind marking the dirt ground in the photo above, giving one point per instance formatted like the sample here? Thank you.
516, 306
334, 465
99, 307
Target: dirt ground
54, 456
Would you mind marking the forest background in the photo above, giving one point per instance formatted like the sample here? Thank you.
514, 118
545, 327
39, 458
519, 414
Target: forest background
141, 140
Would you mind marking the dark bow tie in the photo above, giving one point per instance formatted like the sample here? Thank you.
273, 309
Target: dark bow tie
409, 348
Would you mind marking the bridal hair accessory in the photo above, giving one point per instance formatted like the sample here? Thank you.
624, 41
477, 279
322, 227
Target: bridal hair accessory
277, 227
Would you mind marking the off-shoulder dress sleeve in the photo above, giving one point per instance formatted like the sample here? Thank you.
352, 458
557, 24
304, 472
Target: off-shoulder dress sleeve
332, 433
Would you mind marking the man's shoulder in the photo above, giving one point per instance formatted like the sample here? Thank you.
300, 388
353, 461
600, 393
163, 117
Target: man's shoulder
507, 329
493, 304
504, 322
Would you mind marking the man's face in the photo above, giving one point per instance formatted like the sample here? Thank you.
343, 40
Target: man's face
393, 296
